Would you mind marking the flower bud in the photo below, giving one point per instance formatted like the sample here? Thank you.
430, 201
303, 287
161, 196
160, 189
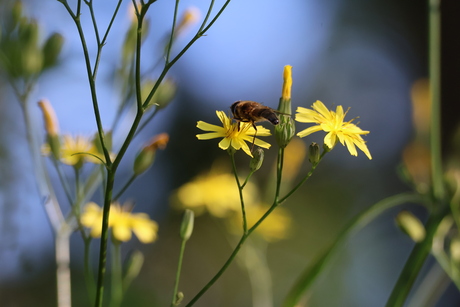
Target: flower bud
287, 84
179, 298
284, 131
146, 156
49, 116
189, 18
52, 49
186, 228
51, 127
313, 153
257, 159
411, 226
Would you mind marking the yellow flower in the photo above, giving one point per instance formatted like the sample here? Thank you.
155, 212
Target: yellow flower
332, 122
122, 221
216, 193
234, 135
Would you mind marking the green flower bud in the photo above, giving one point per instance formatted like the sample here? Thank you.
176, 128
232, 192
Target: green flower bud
257, 159
186, 228
284, 131
52, 49
146, 156
179, 298
411, 226
16, 12
313, 153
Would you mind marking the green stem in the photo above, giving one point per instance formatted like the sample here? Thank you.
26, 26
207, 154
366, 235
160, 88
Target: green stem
182, 52
309, 275
246, 234
240, 191
104, 238
435, 93
127, 184
179, 268
171, 38
415, 262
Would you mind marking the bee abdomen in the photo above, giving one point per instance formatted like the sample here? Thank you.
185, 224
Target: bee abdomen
270, 116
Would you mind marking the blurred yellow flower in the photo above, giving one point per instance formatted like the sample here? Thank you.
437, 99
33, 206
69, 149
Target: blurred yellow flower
122, 221
215, 193
234, 135
75, 150
274, 228
332, 122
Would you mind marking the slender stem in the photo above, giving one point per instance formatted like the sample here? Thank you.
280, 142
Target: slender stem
309, 275
182, 52
220, 272
171, 38
435, 93
240, 191
247, 179
62, 179
127, 184
246, 234
309, 174
104, 238
179, 268
415, 262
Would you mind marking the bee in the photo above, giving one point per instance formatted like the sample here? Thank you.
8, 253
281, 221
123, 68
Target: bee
247, 111
253, 112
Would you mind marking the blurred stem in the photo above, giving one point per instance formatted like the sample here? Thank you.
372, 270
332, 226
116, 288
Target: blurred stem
415, 262
240, 191
179, 268
421, 250
53, 211
431, 288
435, 92
117, 285
309, 275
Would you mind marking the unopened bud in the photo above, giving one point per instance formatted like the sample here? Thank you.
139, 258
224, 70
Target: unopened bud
146, 156
287, 84
52, 49
284, 131
257, 159
179, 298
49, 116
186, 228
313, 153
189, 18
411, 226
